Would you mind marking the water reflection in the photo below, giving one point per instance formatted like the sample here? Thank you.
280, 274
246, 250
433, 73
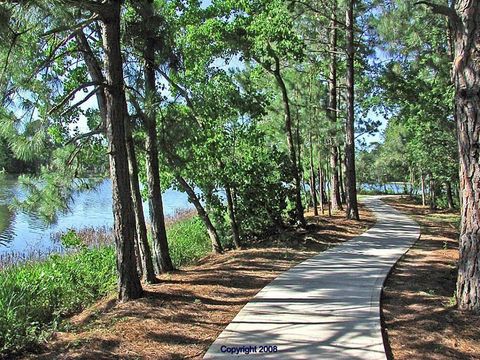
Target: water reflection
92, 208
7, 231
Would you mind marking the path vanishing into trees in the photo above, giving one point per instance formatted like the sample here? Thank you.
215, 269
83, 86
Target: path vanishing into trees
327, 307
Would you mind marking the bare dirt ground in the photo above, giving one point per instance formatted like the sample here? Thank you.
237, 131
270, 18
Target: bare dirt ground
420, 317
182, 315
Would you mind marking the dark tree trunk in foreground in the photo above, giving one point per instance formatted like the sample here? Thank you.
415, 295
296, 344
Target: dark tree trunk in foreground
163, 262
350, 175
332, 112
129, 286
465, 24
467, 99
291, 146
202, 213
233, 220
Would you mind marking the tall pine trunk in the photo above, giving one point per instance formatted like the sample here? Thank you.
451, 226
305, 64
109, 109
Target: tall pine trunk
464, 21
466, 74
143, 248
143, 253
163, 262
129, 286
350, 174
291, 147
335, 200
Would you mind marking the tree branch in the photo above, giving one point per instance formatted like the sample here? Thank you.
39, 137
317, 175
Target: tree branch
70, 94
77, 104
75, 27
442, 10
98, 130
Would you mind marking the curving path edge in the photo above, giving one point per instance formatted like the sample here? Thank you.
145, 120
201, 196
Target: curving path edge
327, 307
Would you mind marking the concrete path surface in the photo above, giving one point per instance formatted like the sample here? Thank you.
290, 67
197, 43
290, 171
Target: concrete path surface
327, 307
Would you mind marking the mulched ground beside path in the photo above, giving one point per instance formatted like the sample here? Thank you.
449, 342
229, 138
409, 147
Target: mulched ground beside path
418, 305
182, 315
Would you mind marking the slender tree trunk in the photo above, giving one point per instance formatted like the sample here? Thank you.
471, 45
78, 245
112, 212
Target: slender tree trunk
129, 286
313, 185
202, 213
350, 174
341, 180
448, 186
163, 262
143, 248
433, 198
422, 179
321, 185
291, 147
328, 193
332, 112
412, 182
233, 220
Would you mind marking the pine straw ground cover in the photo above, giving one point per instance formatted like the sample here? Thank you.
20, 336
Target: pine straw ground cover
183, 314
420, 317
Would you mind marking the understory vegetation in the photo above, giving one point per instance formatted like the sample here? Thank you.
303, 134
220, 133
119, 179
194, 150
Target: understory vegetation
35, 296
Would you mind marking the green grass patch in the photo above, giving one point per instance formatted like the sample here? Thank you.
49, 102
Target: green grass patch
188, 241
36, 296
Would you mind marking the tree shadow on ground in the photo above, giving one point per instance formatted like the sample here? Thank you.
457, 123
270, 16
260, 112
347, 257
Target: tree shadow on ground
420, 318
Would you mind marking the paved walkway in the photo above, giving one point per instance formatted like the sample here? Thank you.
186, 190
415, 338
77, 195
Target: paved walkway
327, 307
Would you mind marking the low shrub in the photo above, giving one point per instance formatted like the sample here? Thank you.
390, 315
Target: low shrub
188, 241
34, 296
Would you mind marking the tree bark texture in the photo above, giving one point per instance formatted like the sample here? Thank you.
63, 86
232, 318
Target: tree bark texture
350, 174
129, 286
466, 76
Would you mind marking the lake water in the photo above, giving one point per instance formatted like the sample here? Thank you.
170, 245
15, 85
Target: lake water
21, 232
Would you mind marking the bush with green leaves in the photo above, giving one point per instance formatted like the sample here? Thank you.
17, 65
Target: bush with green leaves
188, 241
35, 296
